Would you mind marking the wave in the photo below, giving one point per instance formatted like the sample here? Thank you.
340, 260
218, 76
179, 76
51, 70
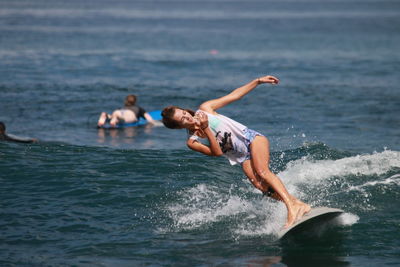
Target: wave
395, 179
188, 192
343, 173
243, 212
376, 163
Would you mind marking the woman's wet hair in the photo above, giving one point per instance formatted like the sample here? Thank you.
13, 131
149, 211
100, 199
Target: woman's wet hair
130, 100
168, 117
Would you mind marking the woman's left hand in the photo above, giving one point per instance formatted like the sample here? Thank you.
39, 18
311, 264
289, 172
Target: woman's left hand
268, 79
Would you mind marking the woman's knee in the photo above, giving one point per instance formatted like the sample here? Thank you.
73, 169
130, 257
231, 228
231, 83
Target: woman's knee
263, 171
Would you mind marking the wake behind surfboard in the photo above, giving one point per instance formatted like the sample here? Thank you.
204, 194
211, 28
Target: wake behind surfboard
155, 114
311, 220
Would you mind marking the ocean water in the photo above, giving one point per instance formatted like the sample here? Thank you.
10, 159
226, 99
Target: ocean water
138, 197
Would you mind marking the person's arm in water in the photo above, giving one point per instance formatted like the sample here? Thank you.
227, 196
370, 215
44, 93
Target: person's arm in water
144, 114
148, 117
6, 137
214, 149
212, 105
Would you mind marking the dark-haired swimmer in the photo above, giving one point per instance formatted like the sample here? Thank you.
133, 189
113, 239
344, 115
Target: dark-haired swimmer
5, 137
236, 142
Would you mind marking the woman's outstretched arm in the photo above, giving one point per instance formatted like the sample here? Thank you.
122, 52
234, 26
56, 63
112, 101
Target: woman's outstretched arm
212, 105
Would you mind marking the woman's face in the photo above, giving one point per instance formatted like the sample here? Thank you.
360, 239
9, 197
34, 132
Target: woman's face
184, 118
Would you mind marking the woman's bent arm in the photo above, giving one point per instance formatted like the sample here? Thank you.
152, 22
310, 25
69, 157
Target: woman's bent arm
213, 150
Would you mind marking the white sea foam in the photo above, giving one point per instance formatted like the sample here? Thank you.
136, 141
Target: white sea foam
204, 204
395, 179
347, 219
207, 204
305, 169
318, 174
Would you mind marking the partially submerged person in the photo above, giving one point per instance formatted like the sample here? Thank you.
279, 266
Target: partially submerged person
238, 143
5, 137
128, 114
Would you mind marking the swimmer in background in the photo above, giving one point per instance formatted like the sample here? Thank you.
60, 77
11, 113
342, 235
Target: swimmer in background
128, 114
213, 134
5, 137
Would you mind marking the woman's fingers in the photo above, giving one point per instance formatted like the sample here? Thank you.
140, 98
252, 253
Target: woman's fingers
269, 79
274, 80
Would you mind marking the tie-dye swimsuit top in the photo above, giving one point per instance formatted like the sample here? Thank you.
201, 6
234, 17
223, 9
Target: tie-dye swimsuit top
233, 137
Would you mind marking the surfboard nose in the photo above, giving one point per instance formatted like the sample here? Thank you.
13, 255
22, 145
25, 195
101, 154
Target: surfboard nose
315, 217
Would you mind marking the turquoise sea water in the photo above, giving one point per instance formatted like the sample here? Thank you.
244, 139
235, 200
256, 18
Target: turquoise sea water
139, 197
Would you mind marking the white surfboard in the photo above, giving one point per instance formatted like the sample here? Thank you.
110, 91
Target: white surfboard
315, 217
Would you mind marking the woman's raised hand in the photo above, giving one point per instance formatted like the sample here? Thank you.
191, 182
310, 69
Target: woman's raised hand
268, 79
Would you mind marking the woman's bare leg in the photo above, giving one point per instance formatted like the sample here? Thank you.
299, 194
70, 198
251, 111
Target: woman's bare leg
260, 164
257, 181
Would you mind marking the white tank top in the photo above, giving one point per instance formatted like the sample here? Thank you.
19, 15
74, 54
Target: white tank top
230, 135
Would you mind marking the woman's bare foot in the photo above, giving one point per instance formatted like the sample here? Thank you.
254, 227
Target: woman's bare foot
304, 208
291, 218
297, 211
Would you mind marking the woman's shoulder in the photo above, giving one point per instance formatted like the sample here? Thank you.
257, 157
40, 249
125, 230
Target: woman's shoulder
207, 108
207, 112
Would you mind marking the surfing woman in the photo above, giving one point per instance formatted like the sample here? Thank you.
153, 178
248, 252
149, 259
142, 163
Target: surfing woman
236, 142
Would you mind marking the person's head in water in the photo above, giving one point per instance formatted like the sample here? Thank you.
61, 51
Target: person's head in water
2, 128
130, 100
174, 117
